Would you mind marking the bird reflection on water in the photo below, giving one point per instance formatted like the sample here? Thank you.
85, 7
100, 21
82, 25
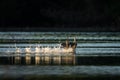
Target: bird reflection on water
42, 60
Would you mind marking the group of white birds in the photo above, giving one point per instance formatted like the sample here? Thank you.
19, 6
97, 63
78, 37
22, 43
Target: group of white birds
38, 49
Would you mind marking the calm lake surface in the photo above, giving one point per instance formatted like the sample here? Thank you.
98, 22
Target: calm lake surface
97, 56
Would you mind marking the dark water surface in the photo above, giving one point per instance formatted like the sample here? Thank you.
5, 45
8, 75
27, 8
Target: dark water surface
72, 60
97, 56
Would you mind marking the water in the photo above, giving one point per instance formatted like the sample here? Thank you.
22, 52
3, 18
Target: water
39, 53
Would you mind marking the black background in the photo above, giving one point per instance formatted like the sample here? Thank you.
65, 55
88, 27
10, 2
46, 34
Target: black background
76, 15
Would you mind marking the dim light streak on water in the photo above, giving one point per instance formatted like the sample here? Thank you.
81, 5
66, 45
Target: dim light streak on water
59, 70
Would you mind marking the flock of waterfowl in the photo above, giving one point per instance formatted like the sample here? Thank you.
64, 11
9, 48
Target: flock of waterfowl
66, 46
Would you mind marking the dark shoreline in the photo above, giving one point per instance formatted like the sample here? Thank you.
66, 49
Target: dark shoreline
61, 77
